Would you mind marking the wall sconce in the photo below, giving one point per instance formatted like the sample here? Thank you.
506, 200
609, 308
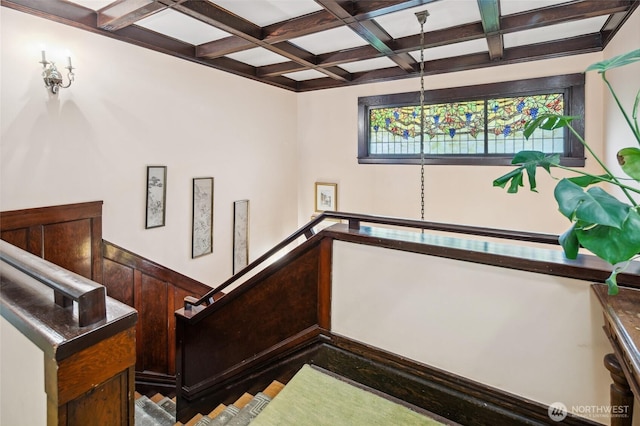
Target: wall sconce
52, 77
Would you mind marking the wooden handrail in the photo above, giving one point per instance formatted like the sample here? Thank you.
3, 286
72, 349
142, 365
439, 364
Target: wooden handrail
67, 286
355, 222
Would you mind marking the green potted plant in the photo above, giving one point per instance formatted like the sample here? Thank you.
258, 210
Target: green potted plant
601, 223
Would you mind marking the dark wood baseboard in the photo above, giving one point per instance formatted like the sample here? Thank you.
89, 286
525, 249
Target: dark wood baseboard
453, 397
149, 383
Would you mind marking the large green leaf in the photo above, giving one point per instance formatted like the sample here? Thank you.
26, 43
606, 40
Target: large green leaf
585, 181
515, 176
529, 161
616, 61
547, 122
612, 244
569, 242
629, 160
595, 206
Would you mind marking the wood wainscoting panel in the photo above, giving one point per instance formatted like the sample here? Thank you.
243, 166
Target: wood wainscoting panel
17, 237
69, 235
118, 279
69, 245
94, 365
272, 307
104, 405
152, 306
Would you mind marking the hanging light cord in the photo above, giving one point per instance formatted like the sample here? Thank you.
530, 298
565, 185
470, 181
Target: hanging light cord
422, 18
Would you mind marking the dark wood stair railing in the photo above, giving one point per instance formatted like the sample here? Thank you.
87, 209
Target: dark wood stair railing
70, 236
88, 340
354, 222
67, 287
280, 317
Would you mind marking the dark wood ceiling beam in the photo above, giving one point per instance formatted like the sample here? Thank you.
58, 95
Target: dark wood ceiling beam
225, 46
220, 18
301, 26
66, 13
325, 20
490, 18
295, 53
441, 37
307, 59
279, 69
369, 9
379, 39
126, 12
615, 21
571, 46
348, 55
561, 13
576, 45
369, 30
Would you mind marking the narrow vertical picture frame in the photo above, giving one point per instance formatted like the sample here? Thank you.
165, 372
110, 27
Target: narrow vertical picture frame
202, 225
326, 197
240, 235
156, 196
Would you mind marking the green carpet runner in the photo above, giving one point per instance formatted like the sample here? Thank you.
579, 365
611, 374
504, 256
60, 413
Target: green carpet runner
318, 399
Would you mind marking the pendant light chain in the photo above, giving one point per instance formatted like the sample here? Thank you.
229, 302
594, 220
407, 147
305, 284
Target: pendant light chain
422, 18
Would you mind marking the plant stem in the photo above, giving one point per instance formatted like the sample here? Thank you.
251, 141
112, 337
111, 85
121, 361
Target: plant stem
614, 180
634, 129
600, 178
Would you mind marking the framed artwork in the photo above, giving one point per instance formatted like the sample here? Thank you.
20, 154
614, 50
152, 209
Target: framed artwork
202, 225
326, 197
240, 235
156, 196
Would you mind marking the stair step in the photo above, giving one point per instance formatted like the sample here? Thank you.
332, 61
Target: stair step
250, 411
273, 389
194, 420
148, 413
223, 418
240, 413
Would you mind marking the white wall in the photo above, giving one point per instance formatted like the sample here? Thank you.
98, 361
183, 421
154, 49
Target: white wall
327, 133
536, 336
131, 107
22, 396
626, 82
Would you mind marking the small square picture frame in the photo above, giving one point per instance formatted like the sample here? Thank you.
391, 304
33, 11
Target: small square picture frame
326, 197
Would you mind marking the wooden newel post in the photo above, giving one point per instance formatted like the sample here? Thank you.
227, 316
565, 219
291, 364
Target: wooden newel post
621, 395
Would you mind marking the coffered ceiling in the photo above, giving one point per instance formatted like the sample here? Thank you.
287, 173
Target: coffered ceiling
303, 45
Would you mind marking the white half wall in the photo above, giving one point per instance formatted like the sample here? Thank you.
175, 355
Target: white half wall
23, 400
536, 336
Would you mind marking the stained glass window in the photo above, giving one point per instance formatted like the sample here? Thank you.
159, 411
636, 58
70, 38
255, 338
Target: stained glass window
489, 126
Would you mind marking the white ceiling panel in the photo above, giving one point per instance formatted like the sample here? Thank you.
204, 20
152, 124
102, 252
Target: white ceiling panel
555, 32
452, 50
92, 4
509, 7
267, 12
368, 65
329, 41
304, 75
258, 57
182, 27
442, 14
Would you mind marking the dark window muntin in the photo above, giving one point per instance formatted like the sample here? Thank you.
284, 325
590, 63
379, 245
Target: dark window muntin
571, 85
